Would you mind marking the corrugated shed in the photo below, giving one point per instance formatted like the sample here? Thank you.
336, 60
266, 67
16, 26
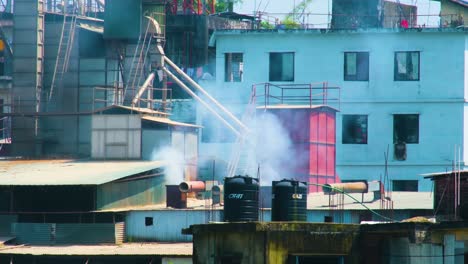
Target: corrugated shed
167, 224
51, 233
116, 137
70, 172
36, 234
130, 193
5, 224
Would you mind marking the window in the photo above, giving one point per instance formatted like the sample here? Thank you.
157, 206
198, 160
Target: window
356, 66
406, 129
406, 66
234, 67
148, 221
354, 130
405, 185
282, 67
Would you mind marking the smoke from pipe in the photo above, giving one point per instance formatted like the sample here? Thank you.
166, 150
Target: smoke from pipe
174, 164
273, 149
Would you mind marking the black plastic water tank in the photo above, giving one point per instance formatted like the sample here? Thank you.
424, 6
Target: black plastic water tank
289, 201
240, 199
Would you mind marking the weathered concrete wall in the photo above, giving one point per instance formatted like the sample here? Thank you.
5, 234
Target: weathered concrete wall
273, 242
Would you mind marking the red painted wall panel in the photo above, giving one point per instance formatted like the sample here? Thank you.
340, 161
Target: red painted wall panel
312, 132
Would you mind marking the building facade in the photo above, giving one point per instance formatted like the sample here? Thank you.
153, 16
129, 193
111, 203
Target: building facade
403, 91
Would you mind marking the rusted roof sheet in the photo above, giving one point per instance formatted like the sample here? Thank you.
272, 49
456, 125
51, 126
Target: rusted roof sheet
168, 121
131, 109
130, 249
69, 172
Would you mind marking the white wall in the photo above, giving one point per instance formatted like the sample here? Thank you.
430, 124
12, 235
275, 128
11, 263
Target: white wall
116, 137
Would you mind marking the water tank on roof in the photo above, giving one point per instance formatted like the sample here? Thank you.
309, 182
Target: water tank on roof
240, 199
289, 201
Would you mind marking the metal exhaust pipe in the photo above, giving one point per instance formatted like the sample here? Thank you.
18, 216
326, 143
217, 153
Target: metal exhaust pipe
192, 186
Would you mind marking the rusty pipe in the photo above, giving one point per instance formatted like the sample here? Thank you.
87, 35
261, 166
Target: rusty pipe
348, 187
192, 186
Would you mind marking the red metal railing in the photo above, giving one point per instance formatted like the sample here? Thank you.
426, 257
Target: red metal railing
313, 94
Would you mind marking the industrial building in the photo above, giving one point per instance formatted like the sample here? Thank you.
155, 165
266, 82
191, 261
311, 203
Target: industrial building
397, 116
120, 120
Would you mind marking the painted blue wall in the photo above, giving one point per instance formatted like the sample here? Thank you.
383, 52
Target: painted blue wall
438, 97
167, 224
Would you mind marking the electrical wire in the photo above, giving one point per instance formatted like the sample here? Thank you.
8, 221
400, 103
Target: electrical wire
356, 200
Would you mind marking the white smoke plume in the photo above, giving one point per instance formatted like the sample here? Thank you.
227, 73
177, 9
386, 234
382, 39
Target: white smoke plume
274, 154
174, 164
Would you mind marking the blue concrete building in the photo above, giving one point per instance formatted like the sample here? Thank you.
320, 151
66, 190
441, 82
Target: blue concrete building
402, 90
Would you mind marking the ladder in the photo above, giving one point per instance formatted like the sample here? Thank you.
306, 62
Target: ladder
136, 73
64, 50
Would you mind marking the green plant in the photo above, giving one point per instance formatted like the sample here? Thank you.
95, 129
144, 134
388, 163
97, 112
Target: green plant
223, 5
290, 24
266, 25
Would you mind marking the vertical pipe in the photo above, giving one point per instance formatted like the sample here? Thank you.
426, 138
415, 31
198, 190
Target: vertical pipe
310, 95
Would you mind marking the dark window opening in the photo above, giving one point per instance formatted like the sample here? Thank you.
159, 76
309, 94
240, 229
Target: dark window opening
234, 67
365, 216
354, 130
356, 66
281, 67
148, 221
231, 259
406, 66
406, 129
315, 260
405, 185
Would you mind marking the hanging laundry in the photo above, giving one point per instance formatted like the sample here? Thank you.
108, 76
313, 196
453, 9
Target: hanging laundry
199, 72
190, 72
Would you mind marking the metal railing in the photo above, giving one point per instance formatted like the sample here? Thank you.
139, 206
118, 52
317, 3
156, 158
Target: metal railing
313, 94
353, 21
83, 8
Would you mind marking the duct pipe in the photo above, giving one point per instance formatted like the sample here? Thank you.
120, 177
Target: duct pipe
143, 88
192, 186
181, 84
192, 82
348, 187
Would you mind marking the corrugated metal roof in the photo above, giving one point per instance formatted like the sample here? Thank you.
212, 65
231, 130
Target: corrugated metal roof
92, 28
69, 172
316, 201
461, 2
285, 106
130, 249
131, 109
168, 121
443, 173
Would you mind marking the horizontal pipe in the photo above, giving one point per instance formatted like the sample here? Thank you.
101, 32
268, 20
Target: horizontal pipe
192, 186
348, 187
196, 97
